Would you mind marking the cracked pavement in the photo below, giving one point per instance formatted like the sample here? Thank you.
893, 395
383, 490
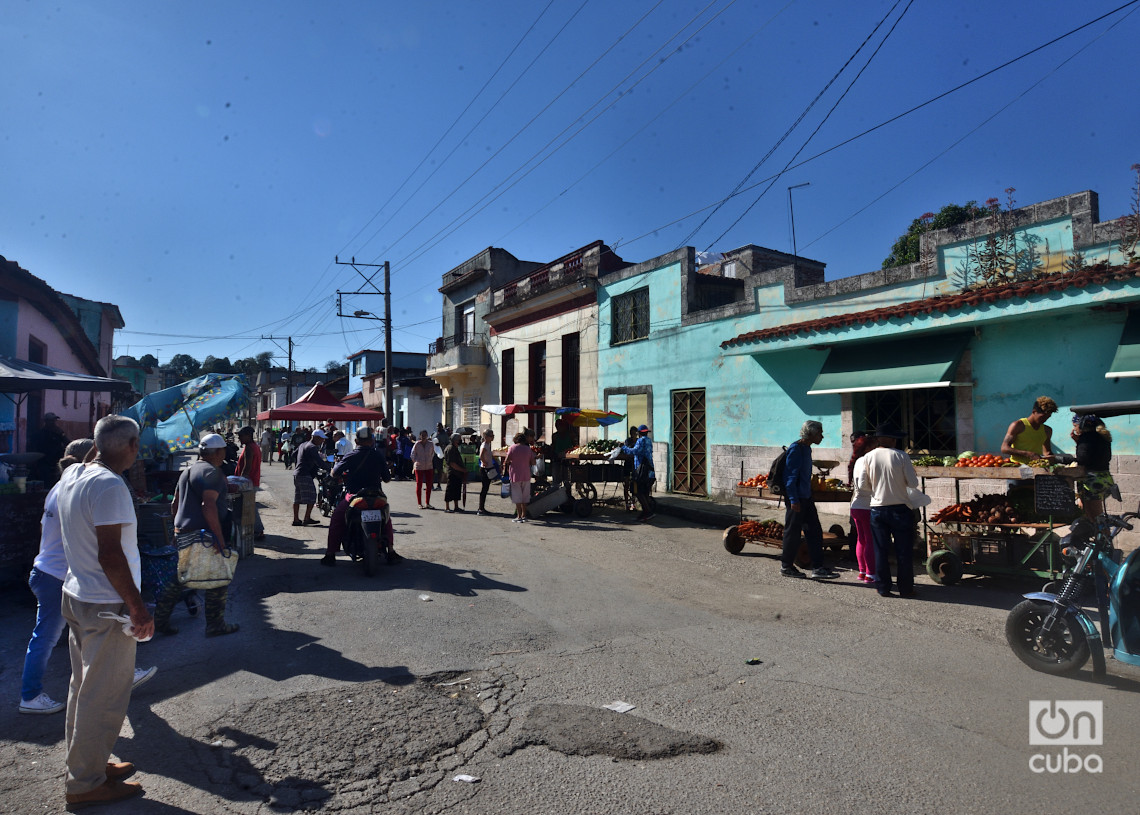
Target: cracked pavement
349, 694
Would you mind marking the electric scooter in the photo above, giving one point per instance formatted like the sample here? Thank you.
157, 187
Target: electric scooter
1050, 632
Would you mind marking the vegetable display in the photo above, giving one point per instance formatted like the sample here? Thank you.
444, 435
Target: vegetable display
761, 529
983, 510
598, 446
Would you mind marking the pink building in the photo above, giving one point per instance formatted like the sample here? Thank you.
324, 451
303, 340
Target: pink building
41, 325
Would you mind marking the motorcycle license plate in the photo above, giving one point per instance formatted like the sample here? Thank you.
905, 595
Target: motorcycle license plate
372, 516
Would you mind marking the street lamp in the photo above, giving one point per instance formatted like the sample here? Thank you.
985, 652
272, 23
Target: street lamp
792, 214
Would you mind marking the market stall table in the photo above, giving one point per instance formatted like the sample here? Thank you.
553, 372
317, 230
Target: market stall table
824, 490
958, 545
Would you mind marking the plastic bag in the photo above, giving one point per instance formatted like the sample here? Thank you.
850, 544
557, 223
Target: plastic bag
128, 629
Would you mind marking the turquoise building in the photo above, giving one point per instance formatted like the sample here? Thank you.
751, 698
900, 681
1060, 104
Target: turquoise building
726, 360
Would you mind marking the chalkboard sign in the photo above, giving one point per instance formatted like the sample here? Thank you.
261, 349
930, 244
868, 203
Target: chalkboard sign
1053, 495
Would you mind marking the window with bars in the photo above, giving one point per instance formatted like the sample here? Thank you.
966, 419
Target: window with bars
927, 416
629, 316
471, 408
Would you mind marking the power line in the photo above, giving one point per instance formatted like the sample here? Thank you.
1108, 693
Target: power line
450, 127
874, 128
794, 125
807, 141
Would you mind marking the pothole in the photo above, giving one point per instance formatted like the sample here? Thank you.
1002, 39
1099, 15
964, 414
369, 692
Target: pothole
576, 730
367, 741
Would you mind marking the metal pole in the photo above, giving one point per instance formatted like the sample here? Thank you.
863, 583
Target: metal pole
387, 344
289, 382
792, 214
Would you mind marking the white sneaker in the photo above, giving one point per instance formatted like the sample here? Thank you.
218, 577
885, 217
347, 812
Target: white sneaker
143, 675
42, 704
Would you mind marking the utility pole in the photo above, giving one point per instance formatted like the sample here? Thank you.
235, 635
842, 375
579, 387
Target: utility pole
791, 212
368, 315
289, 381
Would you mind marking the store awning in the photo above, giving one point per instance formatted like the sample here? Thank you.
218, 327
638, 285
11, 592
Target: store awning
1127, 360
915, 362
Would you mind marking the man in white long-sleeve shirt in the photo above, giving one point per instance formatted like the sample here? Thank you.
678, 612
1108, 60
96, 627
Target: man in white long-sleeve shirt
886, 476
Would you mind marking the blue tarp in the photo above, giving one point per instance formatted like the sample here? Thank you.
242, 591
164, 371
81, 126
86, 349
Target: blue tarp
170, 419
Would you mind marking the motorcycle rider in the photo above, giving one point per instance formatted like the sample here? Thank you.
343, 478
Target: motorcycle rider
362, 469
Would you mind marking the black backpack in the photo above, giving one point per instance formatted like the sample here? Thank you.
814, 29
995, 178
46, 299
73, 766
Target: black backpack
776, 473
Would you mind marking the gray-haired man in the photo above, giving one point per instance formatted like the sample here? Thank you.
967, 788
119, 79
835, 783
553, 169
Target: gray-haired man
97, 521
801, 516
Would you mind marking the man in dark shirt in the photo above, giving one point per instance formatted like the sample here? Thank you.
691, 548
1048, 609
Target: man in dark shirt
309, 463
51, 441
362, 469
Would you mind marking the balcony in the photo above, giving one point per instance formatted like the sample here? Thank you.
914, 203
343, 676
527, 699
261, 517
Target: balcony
547, 279
453, 359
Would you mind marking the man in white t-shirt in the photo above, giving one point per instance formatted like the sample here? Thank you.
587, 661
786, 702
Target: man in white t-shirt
886, 476
98, 525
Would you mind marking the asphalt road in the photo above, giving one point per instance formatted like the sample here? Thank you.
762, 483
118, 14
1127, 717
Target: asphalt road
492, 650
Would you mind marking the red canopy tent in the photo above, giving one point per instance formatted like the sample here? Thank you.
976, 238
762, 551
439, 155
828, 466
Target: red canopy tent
319, 404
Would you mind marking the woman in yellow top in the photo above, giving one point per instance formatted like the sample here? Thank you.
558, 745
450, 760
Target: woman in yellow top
1030, 438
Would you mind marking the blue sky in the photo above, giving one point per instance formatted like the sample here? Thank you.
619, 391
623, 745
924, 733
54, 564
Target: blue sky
200, 165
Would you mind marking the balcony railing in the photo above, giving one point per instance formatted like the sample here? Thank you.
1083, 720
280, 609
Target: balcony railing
544, 280
461, 351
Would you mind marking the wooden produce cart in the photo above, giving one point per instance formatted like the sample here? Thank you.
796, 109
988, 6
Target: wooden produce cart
1028, 547
835, 538
598, 479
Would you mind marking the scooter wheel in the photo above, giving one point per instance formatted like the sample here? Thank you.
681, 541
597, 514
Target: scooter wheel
1062, 652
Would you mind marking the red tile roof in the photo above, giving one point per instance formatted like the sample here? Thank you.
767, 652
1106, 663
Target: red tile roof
1093, 276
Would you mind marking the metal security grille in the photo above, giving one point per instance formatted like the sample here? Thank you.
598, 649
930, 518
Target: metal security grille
690, 449
471, 408
926, 415
629, 316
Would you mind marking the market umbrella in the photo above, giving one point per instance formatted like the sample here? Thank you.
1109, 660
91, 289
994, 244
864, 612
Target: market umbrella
587, 417
511, 410
170, 419
317, 404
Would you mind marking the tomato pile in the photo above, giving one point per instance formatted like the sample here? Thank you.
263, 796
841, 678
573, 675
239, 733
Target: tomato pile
760, 480
985, 460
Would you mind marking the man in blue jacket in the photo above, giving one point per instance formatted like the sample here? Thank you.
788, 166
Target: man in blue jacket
642, 452
801, 515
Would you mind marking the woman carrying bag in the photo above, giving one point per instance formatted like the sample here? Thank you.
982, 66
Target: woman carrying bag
201, 517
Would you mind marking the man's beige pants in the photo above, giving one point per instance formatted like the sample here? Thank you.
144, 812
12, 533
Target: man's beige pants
102, 670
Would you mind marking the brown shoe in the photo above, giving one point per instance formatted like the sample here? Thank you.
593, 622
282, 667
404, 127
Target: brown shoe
109, 791
119, 770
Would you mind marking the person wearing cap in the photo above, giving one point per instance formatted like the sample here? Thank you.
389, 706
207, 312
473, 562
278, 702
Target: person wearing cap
1094, 453
801, 518
1030, 438
456, 474
643, 475
310, 461
249, 466
362, 469
886, 475
342, 447
201, 503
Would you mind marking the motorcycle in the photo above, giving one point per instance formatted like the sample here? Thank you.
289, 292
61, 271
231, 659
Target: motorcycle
329, 492
1050, 631
369, 525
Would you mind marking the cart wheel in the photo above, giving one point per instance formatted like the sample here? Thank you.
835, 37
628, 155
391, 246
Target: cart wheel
566, 508
803, 556
944, 567
583, 507
588, 491
733, 540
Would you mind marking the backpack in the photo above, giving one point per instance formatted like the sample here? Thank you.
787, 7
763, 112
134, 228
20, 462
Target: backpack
776, 473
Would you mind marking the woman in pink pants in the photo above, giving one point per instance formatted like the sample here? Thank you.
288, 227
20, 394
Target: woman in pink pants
861, 444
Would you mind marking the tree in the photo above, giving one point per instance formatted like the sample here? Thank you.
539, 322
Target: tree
213, 365
149, 361
906, 248
335, 368
184, 366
